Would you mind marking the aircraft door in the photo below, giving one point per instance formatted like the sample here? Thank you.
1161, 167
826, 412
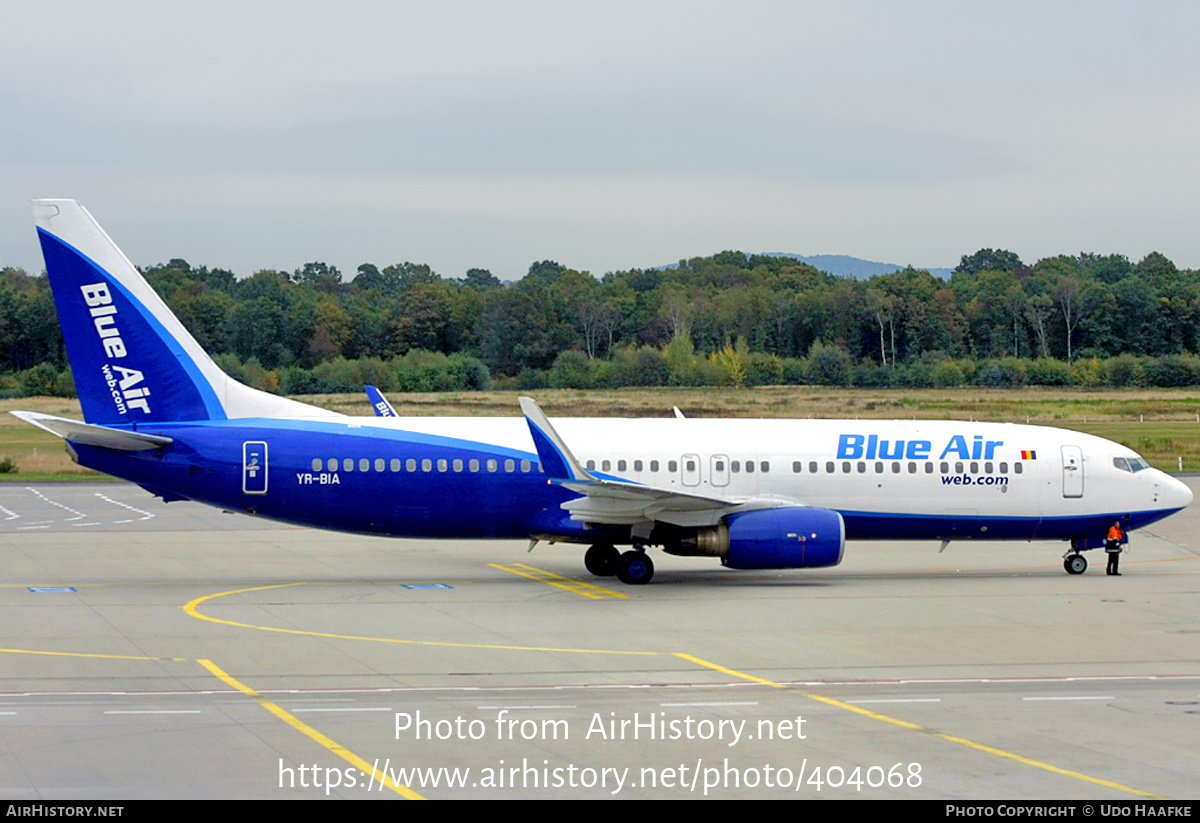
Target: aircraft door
719, 472
691, 469
254, 467
1072, 464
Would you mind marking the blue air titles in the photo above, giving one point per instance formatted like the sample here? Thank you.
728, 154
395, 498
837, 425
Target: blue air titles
871, 447
125, 390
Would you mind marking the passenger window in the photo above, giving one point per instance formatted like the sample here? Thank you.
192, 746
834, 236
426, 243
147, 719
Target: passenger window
929, 468
317, 463
426, 465
945, 468
491, 465
764, 466
526, 466
987, 467
974, 467
749, 467
719, 465
509, 465
672, 466
690, 466
846, 467
896, 468
1004, 468
395, 464
333, 464
410, 465
458, 465
606, 465
878, 467
380, 464
735, 466
796, 466
912, 468
348, 465
1017, 468
591, 465
812, 467
473, 465
442, 464
862, 467
653, 465
621, 465
637, 465
958, 467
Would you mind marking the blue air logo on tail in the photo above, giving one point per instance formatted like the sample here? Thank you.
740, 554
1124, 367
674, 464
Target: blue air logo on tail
121, 381
128, 368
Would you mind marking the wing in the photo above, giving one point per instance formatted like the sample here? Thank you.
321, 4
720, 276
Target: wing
623, 503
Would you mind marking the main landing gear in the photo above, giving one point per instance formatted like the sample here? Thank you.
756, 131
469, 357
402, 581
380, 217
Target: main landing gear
636, 568
633, 567
1075, 563
602, 559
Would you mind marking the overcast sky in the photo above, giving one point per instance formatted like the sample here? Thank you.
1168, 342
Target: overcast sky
605, 136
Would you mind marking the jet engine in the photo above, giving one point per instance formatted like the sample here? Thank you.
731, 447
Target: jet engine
794, 537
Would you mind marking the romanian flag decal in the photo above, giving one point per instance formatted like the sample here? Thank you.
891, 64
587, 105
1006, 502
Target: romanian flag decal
1029, 455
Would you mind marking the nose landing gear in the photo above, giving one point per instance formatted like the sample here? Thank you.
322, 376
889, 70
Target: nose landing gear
1075, 563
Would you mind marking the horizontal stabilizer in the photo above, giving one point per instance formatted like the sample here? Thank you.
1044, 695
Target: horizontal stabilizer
91, 435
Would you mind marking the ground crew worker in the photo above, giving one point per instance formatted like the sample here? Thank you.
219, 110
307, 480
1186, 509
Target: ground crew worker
1112, 547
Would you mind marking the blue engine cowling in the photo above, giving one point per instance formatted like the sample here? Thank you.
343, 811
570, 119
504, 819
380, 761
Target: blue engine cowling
788, 538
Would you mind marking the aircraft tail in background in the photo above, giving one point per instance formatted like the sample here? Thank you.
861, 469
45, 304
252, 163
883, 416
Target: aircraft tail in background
379, 403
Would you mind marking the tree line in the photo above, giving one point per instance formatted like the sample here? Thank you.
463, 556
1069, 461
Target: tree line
731, 318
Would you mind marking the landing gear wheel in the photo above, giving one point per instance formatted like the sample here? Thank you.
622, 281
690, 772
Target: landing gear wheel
635, 568
1075, 564
602, 560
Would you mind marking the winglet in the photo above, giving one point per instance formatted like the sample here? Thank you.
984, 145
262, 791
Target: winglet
379, 403
557, 461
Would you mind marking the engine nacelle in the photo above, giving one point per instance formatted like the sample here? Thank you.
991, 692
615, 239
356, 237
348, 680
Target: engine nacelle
795, 537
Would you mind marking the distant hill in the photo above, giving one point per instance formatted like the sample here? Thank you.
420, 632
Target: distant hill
843, 265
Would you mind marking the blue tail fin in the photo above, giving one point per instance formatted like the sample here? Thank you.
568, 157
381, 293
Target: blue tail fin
379, 403
133, 360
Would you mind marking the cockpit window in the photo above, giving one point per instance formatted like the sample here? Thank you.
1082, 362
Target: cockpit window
1130, 464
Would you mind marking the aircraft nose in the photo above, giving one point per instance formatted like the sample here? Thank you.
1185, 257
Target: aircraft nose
1176, 493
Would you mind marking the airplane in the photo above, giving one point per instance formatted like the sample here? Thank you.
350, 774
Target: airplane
755, 494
